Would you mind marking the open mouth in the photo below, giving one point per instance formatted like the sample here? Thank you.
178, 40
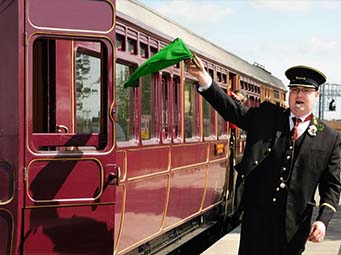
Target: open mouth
299, 105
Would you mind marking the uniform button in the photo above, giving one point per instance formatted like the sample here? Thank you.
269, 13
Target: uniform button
277, 189
288, 157
281, 178
269, 149
242, 176
274, 199
256, 162
290, 148
284, 168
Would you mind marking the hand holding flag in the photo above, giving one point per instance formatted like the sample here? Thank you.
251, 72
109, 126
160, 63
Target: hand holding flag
196, 68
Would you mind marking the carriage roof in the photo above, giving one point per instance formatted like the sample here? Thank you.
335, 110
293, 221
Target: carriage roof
141, 14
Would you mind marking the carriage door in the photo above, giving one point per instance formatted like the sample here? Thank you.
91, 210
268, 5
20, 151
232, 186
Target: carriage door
70, 170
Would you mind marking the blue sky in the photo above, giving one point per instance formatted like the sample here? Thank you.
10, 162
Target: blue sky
276, 34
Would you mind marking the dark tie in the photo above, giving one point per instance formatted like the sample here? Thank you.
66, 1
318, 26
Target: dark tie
296, 121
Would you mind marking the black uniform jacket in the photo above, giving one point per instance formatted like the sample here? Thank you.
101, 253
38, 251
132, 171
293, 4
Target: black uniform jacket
317, 162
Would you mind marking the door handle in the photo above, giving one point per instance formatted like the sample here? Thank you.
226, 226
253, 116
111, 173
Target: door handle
61, 128
114, 178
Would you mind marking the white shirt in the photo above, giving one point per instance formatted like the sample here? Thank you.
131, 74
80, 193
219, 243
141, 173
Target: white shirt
203, 88
302, 126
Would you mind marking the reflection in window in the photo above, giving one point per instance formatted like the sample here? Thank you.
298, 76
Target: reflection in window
148, 117
176, 102
120, 42
153, 51
143, 50
164, 106
222, 127
124, 104
88, 93
208, 119
191, 126
132, 46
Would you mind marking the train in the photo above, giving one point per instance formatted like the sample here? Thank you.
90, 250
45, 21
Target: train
90, 167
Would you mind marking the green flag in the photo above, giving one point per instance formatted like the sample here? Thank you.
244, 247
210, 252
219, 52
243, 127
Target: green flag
172, 54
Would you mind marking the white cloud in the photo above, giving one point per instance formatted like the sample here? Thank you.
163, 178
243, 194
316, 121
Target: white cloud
318, 44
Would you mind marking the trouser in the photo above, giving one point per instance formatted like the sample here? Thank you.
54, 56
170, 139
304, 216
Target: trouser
263, 232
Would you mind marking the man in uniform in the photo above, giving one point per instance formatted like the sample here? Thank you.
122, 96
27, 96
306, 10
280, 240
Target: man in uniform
288, 154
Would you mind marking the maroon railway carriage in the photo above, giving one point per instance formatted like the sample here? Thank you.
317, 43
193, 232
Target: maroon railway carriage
89, 167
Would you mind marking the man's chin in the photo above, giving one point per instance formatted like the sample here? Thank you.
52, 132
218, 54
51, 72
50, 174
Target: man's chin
298, 111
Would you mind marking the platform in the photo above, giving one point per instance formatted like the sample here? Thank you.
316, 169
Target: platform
228, 245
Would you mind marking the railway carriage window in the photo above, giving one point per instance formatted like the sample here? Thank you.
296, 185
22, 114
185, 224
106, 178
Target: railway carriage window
165, 80
233, 80
176, 103
143, 50
191, 110
219, 78
211, 73
88, 92
42, 95
276, 94
222, 128
208, 120
132, 46
148, 116
125, 98
120, 42
153, 51
69, 95
224, 78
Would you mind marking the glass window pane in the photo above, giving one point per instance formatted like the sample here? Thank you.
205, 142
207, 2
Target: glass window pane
124, 104
164, 106
222, 127
44, 100
176, 107
88, 93
191, 127
208, 119
148, 117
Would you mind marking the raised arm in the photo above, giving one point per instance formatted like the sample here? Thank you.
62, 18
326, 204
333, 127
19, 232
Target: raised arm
229, 108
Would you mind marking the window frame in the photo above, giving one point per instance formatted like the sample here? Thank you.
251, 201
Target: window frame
48, 142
